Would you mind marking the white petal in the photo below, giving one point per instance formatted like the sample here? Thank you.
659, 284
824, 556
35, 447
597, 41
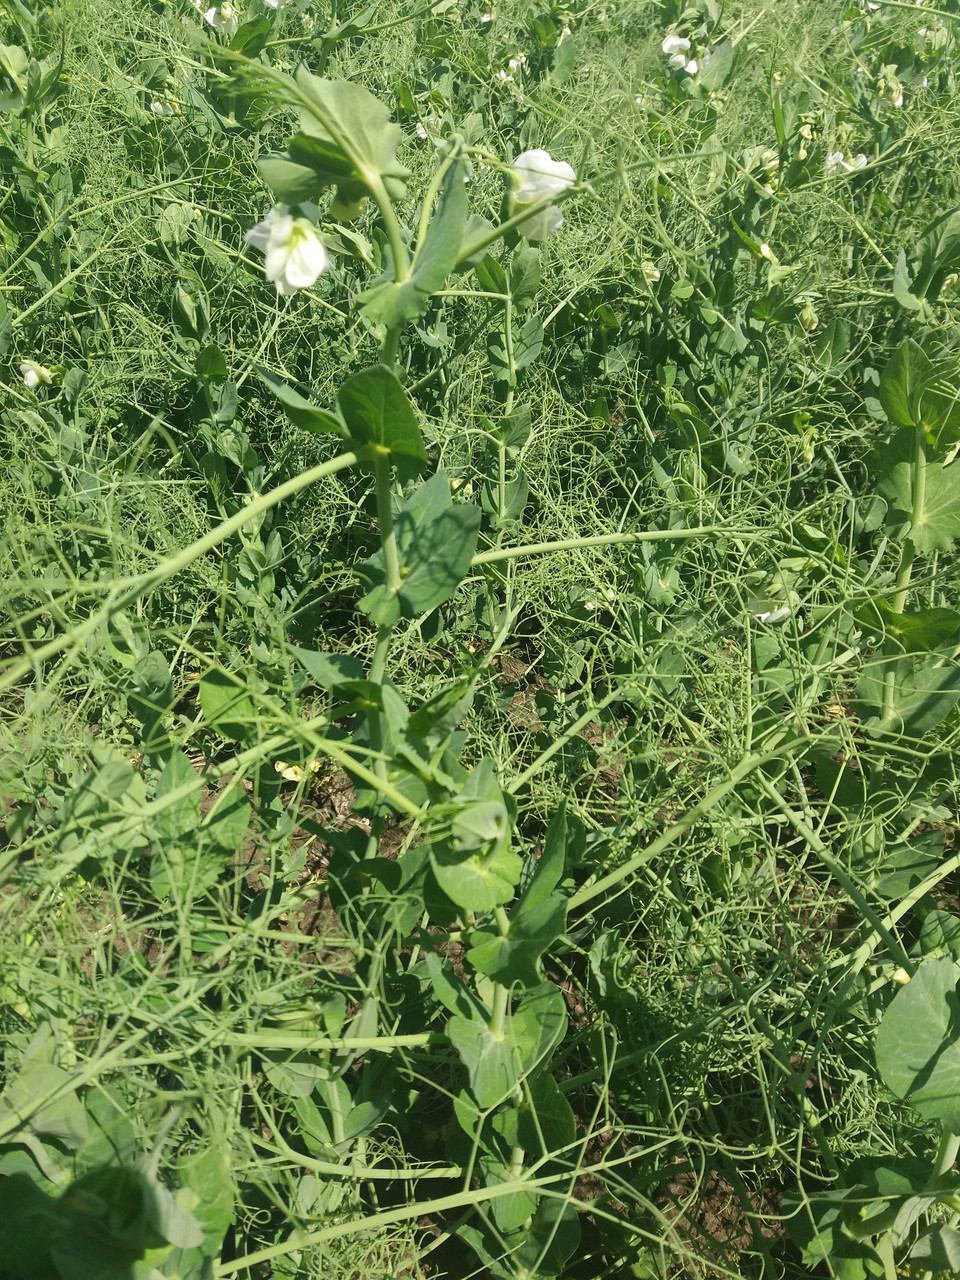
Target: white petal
306, 262
259, 236
540, 225
540, 175
675, 44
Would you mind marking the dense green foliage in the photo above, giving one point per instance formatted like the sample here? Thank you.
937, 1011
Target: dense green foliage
478, 732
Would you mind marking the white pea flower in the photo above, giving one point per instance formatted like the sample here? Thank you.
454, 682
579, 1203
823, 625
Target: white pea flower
676, 48
502, 75
222, 17
773, 615
651, 272
486, 17
421, 130
836, 163
34, 374
160, 107
536, 175
276, 4
295, 256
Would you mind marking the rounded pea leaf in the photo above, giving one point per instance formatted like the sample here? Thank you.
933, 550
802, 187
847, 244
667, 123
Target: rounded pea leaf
917, 1049
378, 411
436, 539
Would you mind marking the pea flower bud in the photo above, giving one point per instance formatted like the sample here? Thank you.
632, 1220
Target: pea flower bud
33, 374
536, 175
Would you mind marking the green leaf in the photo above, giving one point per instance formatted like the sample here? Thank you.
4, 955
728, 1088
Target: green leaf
226, 824
921, 629
902, 381
378, 411
63, 1119
550, 1240
190, 856
940, 410
832, 345
151, 695
207, 1173
494, 1062
720, 67
183, 815
938, 251
490, 275
525, 277
527, 342
210, 363
938, 1251
168, 1214
290, 183
541, 1022
509, 1212
251, 37
516, 958
394, 303
546, 1124
436, 539
549, 869
476, 867
353, 138
917, 1048
939, 521
478, 883
816, 1224
329, 670
901, 285
227, 707
110, 1136
301, 412
923, 696
28, 1226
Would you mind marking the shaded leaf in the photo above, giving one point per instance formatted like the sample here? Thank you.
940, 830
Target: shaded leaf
300, 411
902, 381
391, 303
227, 707
436, 539
918, 1043
378, 411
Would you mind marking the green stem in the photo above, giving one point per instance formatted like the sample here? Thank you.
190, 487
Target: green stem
907, 556
390, 347
606, 540
746, 766
398, 250
498, 1018
381, 462
856, 894
125, 591
335, 1106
